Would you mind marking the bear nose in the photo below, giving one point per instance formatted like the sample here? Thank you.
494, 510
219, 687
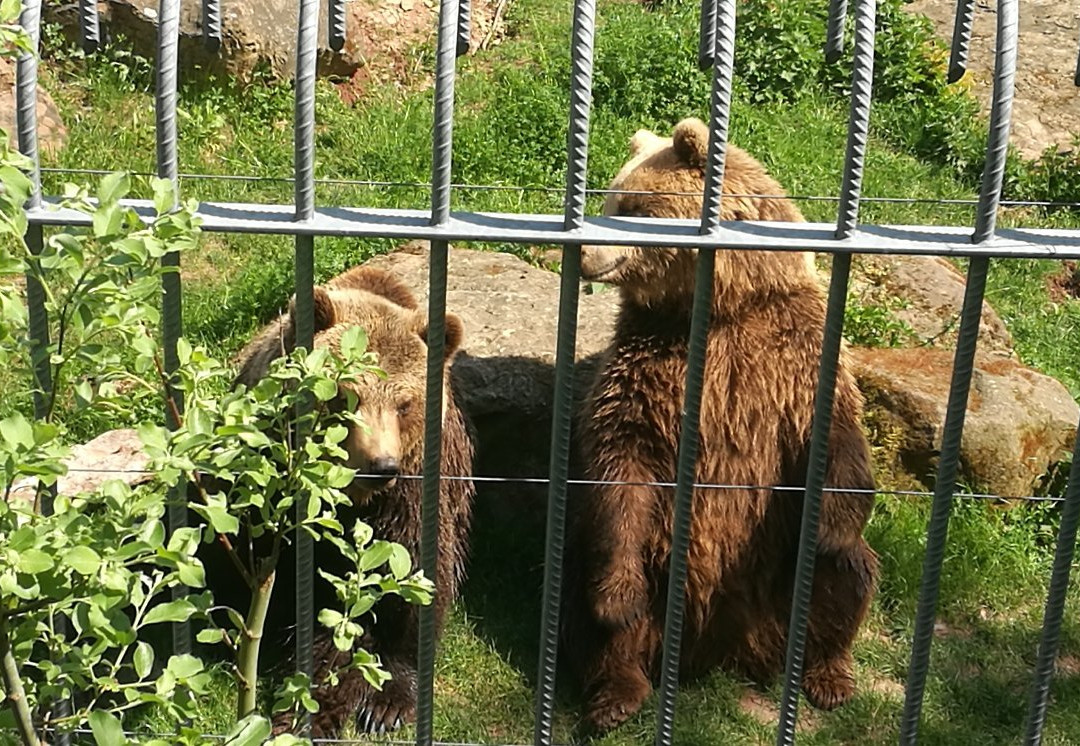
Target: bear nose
386, 467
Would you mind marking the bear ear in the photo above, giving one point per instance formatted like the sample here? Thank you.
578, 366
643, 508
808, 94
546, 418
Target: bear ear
455, 334
325, 313
691, 142
641, 140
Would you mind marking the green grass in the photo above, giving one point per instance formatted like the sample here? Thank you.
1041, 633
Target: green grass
510, 129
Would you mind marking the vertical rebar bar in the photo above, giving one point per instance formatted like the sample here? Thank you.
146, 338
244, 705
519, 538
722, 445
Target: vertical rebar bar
441, 162
961, 39
834, 33
719, 113
847, 219
582, 36
211, 24
967, 337
464, 27
432, 467
307, 33
701, 315
335, 32
817, 461
26, 82
89, 28
686, 473
171, 302
707, 34
443, 131
1055, 603
862, 82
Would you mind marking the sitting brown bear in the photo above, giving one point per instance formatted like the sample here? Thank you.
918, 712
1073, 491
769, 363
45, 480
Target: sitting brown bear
390, 446
762, 356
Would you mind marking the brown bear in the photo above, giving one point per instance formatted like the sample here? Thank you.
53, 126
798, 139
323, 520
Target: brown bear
389, 447
762, 356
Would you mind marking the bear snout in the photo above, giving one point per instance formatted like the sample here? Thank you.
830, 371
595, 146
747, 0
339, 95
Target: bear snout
381, 472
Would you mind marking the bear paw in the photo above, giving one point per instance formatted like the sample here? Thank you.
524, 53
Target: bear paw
615, 702
387, 710
829, 685
619, 599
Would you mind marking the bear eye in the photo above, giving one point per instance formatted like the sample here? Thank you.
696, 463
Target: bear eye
404, 408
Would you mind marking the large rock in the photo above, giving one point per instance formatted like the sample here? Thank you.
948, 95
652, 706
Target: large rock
927, 294
379, 36
1018, 422
116, 454
52, 134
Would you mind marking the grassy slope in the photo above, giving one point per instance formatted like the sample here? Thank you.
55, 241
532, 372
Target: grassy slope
510, 129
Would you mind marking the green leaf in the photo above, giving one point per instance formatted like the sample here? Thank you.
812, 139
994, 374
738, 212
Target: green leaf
330, 617
143, 659
164, 195
106, 728
210, 636
17, 431
251, 731
184, 666
82, 560
219, 518
353, 343
34, 561
171, 611
192, 574
375, 555
400, 561
324, 389
113, 187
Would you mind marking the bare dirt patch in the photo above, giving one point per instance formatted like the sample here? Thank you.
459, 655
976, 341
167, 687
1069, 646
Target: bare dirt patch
1065, 283
386, 35
1046, 110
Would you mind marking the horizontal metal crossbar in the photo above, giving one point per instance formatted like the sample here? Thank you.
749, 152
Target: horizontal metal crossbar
1016, 243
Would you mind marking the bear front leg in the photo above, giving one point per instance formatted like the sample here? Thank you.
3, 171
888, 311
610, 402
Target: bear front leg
843, 588
616, 680
620, 519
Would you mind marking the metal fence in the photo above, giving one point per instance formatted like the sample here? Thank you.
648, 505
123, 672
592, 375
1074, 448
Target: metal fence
305, 220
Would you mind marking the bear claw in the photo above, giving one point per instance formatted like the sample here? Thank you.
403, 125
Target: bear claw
829, 686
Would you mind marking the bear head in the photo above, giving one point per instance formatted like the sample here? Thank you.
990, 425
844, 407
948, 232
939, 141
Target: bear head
665, 178
391, 408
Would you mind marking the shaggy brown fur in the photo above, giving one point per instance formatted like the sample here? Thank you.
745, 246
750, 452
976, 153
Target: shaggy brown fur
393, 410
761, 368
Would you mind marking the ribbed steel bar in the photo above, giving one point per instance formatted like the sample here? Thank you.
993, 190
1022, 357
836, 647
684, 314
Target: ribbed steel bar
577, 149
707, 34
26, 81
1055, 603
429, 511
961, 39
335, 17
211, 24
171, 302
686, 473
441, 161
443, 131
967, 337
846, 222
719, 114
1001, 103
862, 81
464, 27
89, 28
307, 33
834, 33
817, 461
686, 467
